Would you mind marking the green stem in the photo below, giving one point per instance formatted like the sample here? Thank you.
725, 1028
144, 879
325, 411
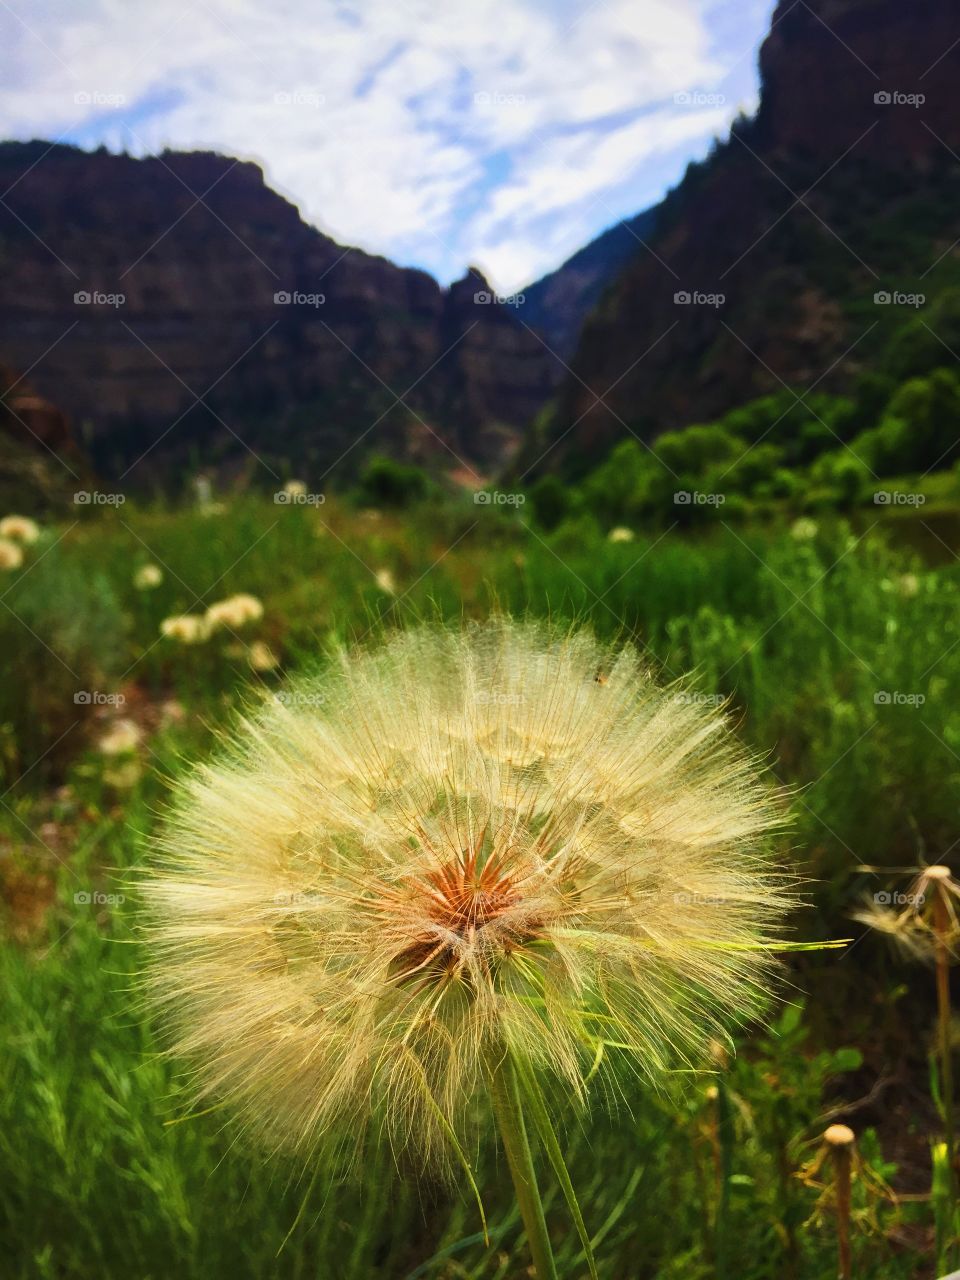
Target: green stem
513, 1133
941, 924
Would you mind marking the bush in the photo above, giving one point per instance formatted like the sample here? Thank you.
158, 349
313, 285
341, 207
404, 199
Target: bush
387, 483
551, 501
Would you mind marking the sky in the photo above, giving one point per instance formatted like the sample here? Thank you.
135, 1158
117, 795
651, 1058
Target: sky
505, 134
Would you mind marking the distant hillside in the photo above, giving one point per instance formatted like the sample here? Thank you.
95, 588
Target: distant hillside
558, 303
769, 254
176, 309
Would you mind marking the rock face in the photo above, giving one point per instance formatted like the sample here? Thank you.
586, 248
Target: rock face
176, 307
768, 255
557, 304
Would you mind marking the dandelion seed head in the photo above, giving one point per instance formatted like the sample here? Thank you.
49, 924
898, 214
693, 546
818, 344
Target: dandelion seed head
147, 577
19, 528
447, 847
235, 611
261, 657
122, 737
11, 555
188, 628
804, 529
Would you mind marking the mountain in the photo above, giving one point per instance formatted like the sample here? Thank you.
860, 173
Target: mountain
177, 309
794, 254
557, 304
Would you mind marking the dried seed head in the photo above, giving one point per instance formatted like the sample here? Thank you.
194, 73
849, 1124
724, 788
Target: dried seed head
456, 843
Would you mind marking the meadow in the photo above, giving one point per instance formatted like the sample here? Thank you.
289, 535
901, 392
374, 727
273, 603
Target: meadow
833, 642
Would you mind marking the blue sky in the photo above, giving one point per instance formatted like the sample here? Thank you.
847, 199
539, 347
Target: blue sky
503, 133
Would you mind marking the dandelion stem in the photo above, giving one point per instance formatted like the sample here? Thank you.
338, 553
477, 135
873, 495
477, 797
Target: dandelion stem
941, 925
513, 1133
841, 1157
839, 1140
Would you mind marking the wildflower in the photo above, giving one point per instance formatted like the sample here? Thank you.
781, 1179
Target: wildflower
804, 529
908, 916
122, 737
127, 773
620, 534
385, 581
295, 489
19, 528
235, 611
11, 556
456, 850
188, 628
261, 657
147, 577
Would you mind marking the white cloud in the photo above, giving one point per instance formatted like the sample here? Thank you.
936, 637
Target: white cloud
490, 130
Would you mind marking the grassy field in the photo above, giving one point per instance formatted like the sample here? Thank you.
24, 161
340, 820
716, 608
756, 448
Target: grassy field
837, 651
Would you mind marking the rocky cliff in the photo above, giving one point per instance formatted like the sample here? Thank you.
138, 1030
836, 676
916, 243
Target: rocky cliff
558, 303
175, 307
769, 255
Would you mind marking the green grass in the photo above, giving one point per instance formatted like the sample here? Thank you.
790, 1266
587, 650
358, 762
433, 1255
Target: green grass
104, 1170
